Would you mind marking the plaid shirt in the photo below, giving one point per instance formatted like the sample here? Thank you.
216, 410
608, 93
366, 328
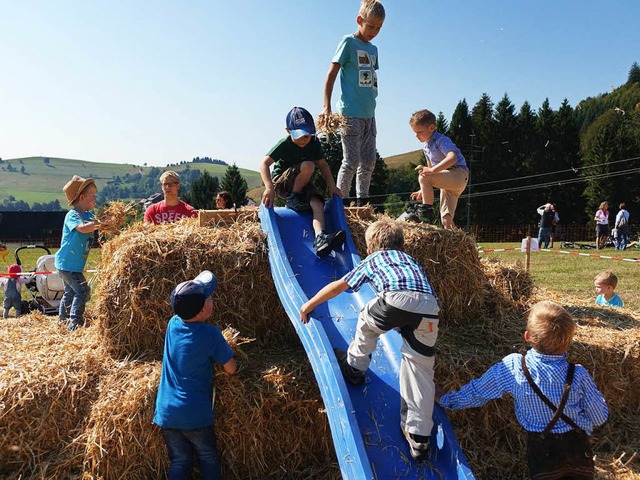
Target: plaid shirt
389, 271
585, 406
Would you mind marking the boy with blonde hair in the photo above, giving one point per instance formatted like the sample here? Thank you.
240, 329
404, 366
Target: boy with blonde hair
606, 283
405, 301
356, 60
171, 209
446, 169
77, 238
557, 402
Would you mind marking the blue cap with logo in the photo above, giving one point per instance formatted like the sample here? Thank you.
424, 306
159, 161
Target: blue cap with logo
300, 123
188, 298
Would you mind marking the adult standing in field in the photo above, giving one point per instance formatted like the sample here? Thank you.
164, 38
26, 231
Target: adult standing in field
555, 228
622, 226
547, 215
602, 225
171, 209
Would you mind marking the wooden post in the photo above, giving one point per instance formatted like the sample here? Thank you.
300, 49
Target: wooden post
528, 249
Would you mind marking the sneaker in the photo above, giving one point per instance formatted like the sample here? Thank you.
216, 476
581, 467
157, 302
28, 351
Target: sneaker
297, 203
425, 213
352, 375
326, 242
74, 325
410, 214
418, 446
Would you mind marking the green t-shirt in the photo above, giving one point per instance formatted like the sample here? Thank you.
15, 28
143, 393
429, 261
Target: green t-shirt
287, 154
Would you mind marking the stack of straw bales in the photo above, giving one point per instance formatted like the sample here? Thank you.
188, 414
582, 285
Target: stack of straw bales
81, 404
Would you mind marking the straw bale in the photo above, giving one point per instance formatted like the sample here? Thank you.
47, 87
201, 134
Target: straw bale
269, 420
449, 258
48, 380
508, 286
141, 267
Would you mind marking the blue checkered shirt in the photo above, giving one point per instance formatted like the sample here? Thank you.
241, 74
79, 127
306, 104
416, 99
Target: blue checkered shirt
389, 271
585, 406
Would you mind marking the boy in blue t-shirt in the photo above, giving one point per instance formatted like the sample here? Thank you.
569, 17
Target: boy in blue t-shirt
184, 405
77, 238
405, 301
356, 60
606, 283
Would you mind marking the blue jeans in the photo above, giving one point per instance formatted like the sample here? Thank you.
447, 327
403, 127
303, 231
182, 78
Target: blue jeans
75, 298
544, 234
183, 444
622, 240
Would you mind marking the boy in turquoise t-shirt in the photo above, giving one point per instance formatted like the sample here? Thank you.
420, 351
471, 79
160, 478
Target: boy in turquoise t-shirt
77, 238
356, 59
606, 283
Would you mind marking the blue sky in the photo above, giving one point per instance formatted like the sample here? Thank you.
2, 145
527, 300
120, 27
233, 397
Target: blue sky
158, 82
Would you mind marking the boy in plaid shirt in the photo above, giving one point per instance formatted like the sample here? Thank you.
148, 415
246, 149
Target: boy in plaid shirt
557, 402
405, 301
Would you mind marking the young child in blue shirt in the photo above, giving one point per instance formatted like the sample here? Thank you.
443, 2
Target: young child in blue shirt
557, 444
606, 283
404, 301
356, 60
77, 238
185, 401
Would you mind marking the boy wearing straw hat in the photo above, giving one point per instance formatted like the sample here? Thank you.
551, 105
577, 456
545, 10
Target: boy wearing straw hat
557, 402
77, 238
184, 405
295, 159
405, 301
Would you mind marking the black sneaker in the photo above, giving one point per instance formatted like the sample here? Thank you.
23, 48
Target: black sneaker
418, 446
297, 203
352, 375
75, 325
410, 214
425, 213
326, 242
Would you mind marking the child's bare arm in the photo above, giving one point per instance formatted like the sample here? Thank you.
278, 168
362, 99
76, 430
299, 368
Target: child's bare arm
87, 227
230, 367
269, 193
329, 81
326, 293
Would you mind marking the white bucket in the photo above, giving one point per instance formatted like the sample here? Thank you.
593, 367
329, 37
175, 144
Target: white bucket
534, 245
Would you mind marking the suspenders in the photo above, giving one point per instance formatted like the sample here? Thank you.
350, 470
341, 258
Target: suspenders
557, 411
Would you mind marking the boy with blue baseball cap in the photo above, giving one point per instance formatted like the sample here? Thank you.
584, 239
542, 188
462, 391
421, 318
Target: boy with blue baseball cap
184, 405
295, 159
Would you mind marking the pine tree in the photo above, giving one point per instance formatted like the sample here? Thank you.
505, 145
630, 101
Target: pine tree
234, 183
441, 123
203, 191
460, 127
634, 74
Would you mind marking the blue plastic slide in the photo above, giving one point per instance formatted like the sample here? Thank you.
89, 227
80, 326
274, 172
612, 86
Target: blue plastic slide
364, 420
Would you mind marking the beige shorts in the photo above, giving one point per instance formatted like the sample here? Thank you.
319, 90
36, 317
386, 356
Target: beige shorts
451, 183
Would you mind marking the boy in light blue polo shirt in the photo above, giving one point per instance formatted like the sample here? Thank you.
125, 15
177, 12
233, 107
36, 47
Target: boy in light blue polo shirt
605, 284
356, 59
77, 238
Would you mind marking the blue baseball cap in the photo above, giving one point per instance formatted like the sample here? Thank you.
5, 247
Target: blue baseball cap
300, 123
188, 298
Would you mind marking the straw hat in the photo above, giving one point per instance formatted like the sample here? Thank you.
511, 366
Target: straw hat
75, 186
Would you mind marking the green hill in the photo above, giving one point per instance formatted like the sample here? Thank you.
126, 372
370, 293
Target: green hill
402, 159
40, 179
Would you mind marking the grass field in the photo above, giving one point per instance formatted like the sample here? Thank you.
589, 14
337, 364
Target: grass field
42, 182
573, 275
402, 159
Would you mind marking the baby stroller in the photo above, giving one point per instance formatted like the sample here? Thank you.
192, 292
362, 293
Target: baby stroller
45, 289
